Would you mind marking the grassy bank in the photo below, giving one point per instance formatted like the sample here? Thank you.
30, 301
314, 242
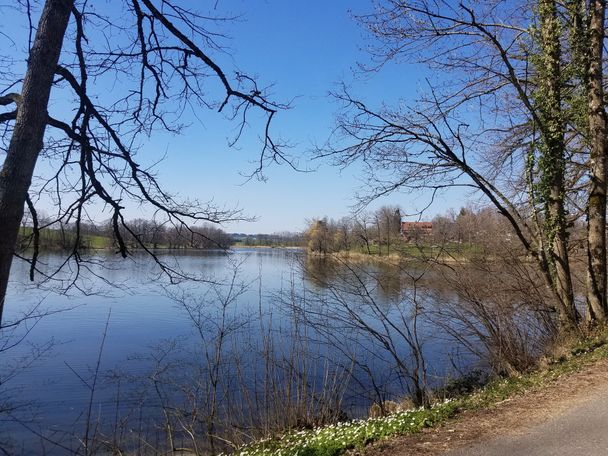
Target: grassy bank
408, 252
339, 438
53, 240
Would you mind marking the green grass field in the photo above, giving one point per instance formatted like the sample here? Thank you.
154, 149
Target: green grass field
51, 239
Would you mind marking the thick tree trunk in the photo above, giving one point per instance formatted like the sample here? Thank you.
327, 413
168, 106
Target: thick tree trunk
553, 162
563, 282
28, 133
596, 206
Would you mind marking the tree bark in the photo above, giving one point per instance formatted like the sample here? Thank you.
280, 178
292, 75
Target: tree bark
553, 162
28, 134
596, 205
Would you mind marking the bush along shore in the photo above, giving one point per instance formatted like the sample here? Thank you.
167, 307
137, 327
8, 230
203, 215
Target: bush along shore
339, 438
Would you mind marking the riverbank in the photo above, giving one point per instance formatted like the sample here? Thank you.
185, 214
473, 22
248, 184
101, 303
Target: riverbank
396, 258
565, 414
269, 246
455, 422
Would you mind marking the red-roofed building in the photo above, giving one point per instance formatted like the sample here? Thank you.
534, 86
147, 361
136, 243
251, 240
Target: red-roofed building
416, 230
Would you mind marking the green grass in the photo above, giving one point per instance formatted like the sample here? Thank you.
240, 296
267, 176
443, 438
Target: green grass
407, 250
336, 439
52, 239
97, 242
582, 354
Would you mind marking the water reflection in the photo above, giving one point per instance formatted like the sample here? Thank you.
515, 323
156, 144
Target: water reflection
389, 279
225, 349
323, 271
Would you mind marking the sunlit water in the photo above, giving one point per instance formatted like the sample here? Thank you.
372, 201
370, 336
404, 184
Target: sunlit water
141, 314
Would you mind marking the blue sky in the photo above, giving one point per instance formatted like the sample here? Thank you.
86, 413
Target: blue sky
304, 49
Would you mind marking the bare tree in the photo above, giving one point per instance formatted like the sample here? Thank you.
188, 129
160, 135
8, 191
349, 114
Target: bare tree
159, 57
593, 14
388, 221
505, 123
505, 321
349, 314
361, 231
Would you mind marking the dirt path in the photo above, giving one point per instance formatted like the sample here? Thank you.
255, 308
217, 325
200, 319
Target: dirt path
568, 417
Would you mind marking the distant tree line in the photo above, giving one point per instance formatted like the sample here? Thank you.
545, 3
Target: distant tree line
281, 239
379, 232
471, 226
371, 233
153, 234
163, 235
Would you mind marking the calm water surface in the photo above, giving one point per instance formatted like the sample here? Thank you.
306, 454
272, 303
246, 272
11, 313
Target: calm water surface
141, 314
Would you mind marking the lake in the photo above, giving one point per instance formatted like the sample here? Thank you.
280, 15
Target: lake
262, 328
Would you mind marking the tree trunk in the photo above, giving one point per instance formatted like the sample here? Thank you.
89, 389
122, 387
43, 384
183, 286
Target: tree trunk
563, 282
28, 134
552, 162
596, 206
